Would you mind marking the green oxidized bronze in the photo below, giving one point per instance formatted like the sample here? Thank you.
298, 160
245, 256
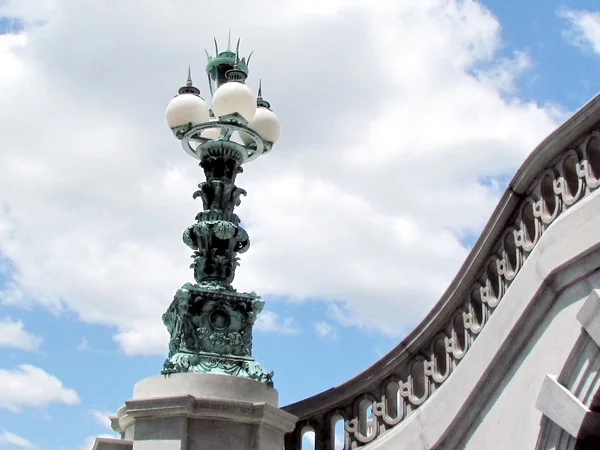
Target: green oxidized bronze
221, 63
210, 323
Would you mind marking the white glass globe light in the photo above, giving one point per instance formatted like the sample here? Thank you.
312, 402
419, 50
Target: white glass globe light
186, 108
234, 97
266, 124
211, 133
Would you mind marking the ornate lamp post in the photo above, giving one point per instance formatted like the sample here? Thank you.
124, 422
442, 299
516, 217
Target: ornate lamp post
210, 322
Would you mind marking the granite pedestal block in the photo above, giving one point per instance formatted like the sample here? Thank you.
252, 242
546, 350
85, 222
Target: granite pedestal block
200, 411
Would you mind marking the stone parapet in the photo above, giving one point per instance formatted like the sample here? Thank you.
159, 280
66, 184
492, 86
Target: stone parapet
560, 174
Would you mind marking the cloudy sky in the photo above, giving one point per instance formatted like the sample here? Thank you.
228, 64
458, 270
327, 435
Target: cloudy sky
402, 122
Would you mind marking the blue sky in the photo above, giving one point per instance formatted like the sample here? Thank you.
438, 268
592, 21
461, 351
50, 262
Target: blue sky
328, 323
562, 74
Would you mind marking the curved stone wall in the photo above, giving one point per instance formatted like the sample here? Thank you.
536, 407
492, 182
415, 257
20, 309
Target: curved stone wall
562, 171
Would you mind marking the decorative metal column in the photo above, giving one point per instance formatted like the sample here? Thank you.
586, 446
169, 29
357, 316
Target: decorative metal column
210, 322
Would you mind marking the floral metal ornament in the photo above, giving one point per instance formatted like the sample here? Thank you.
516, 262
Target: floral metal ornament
210, 323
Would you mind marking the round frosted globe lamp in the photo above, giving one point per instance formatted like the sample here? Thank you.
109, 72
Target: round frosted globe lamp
266, 124
234, 97
211, 133
186, 108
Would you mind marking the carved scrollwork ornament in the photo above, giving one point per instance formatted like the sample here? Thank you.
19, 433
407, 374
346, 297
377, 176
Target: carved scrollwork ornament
380, 410
353, 430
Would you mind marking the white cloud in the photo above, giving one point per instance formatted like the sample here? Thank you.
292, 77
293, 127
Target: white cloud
146, 338
12, 66
102, 418
89, 443
339, 438
308, 439
269, 322
584, 28
505, 74
83, 345
397, 110
14, 335
10, 439
30, 386
325, 330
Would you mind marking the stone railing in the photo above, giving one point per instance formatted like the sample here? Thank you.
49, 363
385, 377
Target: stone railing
561, 171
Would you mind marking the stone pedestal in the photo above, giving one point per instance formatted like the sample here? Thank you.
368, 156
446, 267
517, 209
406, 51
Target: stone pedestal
200, 411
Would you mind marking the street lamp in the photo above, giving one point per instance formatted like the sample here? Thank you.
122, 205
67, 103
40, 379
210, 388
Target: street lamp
210, 322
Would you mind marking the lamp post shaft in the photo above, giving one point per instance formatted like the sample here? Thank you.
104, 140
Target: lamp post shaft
217, 237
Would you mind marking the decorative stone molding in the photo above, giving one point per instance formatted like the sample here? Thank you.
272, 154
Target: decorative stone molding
558, 404
569, 402
561, 172
589, 316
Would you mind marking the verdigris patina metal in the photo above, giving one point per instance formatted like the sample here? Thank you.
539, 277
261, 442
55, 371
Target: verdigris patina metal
210, 322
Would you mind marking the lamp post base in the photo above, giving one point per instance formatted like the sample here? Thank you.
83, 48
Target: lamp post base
211, 332
245, 367
198, 410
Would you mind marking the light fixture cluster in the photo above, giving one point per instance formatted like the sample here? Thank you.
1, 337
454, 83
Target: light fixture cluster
236, 115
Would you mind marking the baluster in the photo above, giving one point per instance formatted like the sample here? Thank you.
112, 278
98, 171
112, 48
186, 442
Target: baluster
293, 440
323, 435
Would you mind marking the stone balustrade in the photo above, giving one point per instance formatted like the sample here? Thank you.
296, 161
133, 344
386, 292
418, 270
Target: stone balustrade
563, 170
